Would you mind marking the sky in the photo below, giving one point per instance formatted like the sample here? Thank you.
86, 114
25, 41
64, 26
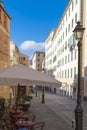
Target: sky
32, 21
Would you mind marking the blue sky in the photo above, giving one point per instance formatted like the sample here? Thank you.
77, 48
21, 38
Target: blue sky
32, 21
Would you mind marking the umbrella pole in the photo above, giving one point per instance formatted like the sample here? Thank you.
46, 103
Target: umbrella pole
43, 99
17, 95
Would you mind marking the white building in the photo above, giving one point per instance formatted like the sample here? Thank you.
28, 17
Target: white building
62, 52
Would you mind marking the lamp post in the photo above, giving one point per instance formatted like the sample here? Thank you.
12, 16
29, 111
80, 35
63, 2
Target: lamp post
78, 32
43, 89
43, 99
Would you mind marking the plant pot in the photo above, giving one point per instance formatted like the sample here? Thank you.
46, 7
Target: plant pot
25, 106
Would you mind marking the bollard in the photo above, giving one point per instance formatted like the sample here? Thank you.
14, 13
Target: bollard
36, 94
73, 123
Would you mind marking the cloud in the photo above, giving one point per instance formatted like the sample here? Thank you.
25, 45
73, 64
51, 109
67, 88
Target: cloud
32, 46
29, 47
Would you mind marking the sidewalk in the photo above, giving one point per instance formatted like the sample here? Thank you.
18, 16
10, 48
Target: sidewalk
51, 119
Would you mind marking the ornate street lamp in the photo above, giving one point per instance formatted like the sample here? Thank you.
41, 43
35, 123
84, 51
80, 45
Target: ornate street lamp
78, 32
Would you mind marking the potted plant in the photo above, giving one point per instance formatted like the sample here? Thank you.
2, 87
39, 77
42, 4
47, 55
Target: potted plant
2, 103
25, 102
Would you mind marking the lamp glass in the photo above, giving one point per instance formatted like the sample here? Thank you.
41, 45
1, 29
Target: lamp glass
78, 31
78, 34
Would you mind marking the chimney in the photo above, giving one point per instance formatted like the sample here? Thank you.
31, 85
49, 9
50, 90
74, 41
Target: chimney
1, 3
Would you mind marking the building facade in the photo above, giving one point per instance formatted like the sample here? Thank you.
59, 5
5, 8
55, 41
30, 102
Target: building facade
4, 45
23, 59
37, 60
4, 37
62, 52
14, 53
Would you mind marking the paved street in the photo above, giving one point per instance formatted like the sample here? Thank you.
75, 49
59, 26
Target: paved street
57, 112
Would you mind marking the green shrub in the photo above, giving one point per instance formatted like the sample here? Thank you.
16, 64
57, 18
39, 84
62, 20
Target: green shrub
2, 103
24, 99
2, 100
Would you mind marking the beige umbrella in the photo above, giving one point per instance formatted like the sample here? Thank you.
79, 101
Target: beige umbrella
24, 76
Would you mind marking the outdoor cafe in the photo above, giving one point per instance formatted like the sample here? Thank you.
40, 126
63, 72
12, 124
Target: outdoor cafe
18, 116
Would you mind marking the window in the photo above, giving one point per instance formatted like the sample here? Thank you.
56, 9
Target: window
66, 31
5, 47
71, 73
76, 18
62, 74
65, 73
65, 45
72, 23
38, 54
66, 16
68, 73
24, 58
38, 65
62, 61
5, 21
58, 63
63, 48
63, 35
69, 11
68, 58
74, 38
65, 59
54, 59
74, 72
68, 27
76, 1
61, 26
72, 5
68, 42
61, 38
75, 54
63, 22
72, 55
20, 58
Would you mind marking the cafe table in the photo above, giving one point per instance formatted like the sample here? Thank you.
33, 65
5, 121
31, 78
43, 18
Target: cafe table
24, 117
24, 124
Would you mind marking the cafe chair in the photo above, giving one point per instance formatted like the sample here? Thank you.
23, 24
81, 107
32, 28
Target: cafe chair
38, 125
31, 118
22, 129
